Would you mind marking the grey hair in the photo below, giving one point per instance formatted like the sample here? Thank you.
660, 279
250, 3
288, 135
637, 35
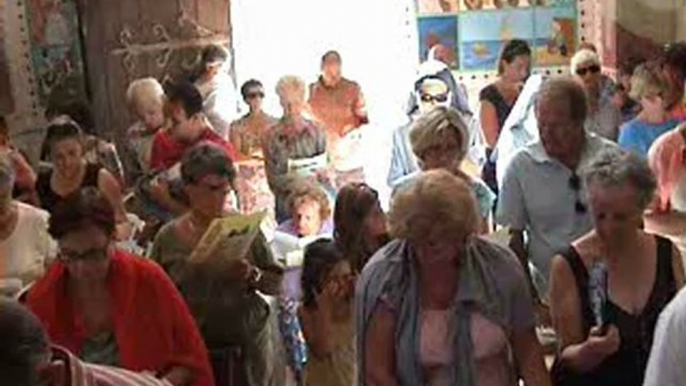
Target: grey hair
204, 159
145, 90
432, 127
291, 87
614, 167
568, 90
23, 344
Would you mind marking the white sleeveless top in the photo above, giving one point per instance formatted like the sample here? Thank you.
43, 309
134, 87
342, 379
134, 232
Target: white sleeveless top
24, 253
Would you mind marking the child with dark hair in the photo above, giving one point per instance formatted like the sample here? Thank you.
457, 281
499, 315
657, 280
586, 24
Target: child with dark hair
326, 315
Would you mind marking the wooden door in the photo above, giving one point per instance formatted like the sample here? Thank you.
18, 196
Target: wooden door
129, 39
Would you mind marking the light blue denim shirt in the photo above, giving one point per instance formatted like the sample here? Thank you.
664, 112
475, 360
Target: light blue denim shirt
536, 197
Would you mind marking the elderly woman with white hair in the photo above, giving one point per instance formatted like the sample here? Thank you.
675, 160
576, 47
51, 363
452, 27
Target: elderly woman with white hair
440, 305
609, 287
146, 99
603, 117
293, 144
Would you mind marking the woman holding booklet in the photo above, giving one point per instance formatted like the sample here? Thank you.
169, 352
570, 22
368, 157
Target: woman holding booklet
220, 268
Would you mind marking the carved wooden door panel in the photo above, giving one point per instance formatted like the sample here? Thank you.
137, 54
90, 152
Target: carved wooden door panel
130, 39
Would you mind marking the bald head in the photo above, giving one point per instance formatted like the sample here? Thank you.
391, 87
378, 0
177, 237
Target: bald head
23, 344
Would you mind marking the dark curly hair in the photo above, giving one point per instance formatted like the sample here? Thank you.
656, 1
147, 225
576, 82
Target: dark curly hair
204, 159
84, 208
320, 258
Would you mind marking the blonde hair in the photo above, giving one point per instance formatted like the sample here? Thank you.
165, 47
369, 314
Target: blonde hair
291, 87
584, 56
647, 80
144, 90
436, 202
302, 191
435, 127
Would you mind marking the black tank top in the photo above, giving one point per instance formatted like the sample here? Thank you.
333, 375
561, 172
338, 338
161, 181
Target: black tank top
49, 199
627, 366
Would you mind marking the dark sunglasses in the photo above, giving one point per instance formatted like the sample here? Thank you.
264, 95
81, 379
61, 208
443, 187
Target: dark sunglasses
253, 95
594, 69
91, 255
575, 184
440, 98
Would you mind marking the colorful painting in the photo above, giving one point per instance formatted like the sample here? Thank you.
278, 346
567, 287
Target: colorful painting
555, 35
437, 7
477, 5
439, 33
484, 33
55, 50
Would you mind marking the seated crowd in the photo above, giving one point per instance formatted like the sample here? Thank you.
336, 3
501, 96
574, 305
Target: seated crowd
228, 250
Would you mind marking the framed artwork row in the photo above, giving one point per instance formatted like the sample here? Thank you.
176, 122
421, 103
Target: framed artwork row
471, 33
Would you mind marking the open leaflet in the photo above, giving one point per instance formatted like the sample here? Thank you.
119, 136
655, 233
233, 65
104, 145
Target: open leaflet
228, 238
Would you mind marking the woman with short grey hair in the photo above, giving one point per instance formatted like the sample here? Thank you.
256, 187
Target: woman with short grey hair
294, 140
609, 287
230, 312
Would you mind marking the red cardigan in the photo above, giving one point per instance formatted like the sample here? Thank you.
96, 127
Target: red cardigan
153, 327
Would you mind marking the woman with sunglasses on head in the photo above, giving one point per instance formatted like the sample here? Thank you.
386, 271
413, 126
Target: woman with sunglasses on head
359, 224
247, 135
498, 98
609, 287
112, 308
225, 297
326, 315
603, 116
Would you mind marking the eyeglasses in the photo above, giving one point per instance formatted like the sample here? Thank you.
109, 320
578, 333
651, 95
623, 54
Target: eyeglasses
575, 184
253, 95
439, 98
91, 255
594, 69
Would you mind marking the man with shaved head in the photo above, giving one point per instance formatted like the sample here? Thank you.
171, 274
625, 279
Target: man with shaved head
28, 359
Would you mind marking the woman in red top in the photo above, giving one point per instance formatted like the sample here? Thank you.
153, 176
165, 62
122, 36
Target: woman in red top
110, 307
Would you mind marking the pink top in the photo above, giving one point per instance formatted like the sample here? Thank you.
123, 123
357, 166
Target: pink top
666, 159
491, 350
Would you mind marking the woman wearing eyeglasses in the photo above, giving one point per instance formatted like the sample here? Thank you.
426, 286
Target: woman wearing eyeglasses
603, 116
225, 296
498, 98
609, 287
112, 308
247, 135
